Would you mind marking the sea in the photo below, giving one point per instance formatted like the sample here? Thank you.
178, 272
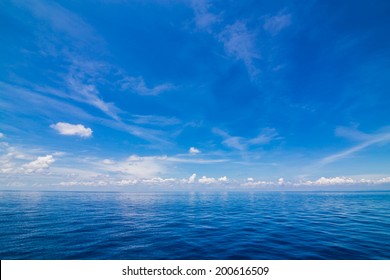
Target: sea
194, 225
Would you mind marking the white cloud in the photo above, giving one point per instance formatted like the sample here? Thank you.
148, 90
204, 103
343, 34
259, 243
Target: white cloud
344, 181
39, 164
280, 181
192, 178
72, 129
205, 180
275, 24
135, 167
223, 179
193, 151
2, 135
108, 161
252, 183
138, 85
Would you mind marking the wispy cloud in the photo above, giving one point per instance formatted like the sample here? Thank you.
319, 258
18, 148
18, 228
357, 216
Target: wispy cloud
366, 140
238, 40
154, 120
240, 43
138, 85
62, 20
242, 144
135, 167
204, 19
87, 93
72, 129
275, 24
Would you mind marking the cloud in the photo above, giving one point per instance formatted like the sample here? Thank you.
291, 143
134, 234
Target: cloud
2, 135
240, 143
238, 40
193, 151
206, 180
368, 140
15, 161
88, 93
252, 183
275, 24
204, 19
39, 164
192, 178
223, 179
138, 85
72, 129
135, 166
155, 120
351, 134
63, 21
240, 43
265, 137
108, 161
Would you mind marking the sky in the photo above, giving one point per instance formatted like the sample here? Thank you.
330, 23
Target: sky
166, 94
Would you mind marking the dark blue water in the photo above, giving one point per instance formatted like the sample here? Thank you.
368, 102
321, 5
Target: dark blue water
231, 225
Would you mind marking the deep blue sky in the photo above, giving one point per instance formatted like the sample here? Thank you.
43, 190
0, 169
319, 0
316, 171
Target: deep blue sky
244, 93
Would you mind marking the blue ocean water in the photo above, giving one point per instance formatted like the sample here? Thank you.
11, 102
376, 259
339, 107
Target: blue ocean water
191, 225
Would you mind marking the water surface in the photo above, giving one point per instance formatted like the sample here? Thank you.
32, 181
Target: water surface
191, 225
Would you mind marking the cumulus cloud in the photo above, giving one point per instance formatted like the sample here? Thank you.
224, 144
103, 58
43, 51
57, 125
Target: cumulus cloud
274, 24
39, 164
323, 181
72, 129
211, 180
250, 182
193, 151
206, 180
223, 179
192, 178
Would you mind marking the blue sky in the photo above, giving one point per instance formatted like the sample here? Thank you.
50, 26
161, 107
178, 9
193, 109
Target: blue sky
195, 94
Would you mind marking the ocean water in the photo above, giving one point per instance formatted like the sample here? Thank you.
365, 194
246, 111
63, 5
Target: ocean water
192, 225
